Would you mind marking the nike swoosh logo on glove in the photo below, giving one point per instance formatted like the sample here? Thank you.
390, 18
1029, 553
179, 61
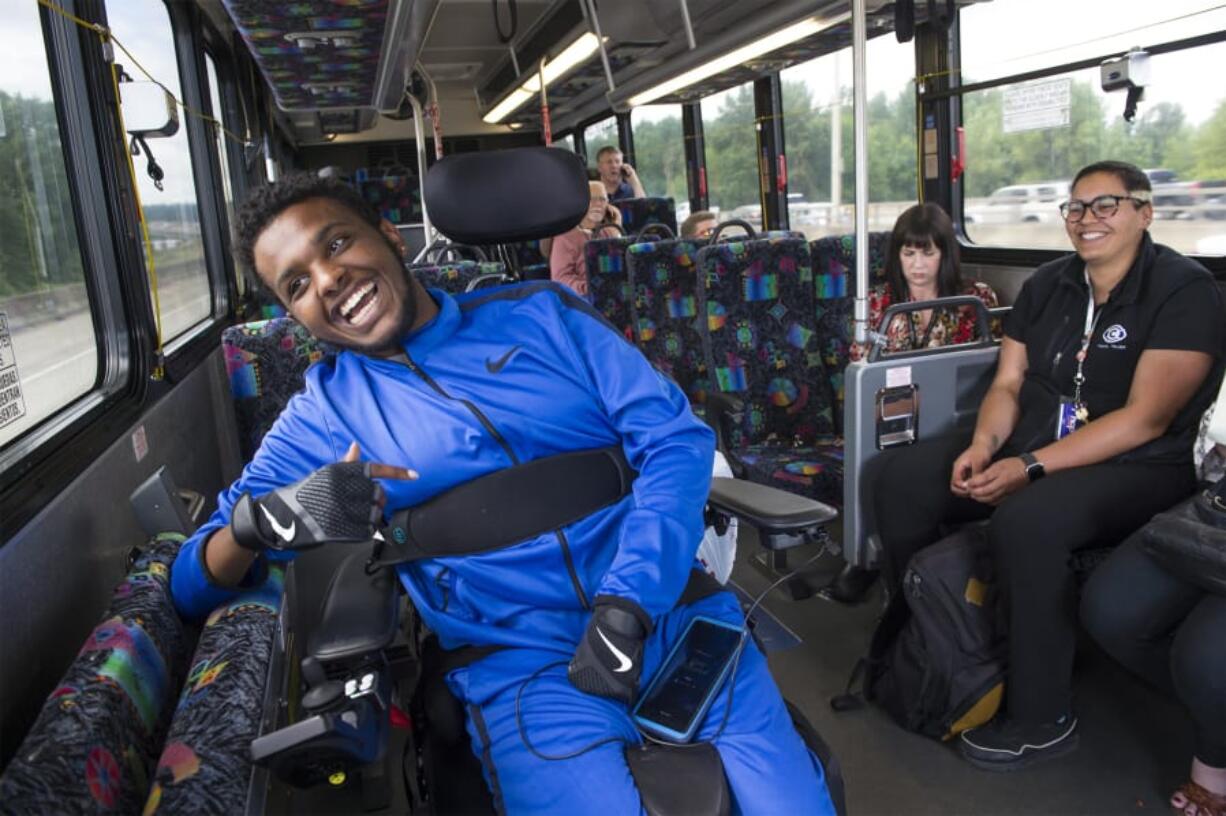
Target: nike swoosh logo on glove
625, 663
286, 533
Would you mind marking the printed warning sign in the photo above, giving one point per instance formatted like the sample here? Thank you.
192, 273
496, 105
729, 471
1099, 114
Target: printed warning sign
12, 404
1037, 105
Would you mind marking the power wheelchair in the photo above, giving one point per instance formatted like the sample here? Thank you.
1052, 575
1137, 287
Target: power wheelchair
374, 708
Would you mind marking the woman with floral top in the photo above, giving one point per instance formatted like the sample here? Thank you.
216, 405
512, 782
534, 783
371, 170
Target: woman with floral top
922, 264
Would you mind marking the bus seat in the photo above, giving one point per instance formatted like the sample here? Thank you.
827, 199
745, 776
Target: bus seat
205, 765
456, 277
664, 279
608, 282
950, 381
834, 279
94, 745
639, 212
758, 297
265, 361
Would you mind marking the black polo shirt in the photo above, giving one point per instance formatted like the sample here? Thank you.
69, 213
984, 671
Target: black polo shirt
1166, 301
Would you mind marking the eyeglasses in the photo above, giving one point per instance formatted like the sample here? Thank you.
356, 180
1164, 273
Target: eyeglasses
1104, 206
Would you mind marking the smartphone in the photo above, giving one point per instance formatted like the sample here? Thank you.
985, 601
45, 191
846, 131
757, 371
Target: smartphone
677, 700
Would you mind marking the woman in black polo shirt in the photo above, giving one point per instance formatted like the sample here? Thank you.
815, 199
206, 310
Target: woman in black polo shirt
1083, 435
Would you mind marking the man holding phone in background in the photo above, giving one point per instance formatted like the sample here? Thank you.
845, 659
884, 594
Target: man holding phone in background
619, 179
566, 264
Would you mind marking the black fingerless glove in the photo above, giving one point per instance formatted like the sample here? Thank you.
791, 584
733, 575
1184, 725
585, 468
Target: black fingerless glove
609, 659
337, 503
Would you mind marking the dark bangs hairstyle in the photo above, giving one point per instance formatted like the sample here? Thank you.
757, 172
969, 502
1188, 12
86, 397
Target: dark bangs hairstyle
922, 226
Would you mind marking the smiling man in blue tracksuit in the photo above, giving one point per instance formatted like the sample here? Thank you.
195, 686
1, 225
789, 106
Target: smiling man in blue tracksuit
431, 392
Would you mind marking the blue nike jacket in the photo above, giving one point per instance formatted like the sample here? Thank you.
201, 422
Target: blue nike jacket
501, 376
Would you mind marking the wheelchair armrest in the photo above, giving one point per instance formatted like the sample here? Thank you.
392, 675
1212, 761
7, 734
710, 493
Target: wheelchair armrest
771, 511
721, 412
360, 612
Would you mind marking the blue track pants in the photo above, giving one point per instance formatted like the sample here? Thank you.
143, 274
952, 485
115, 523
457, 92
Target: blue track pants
768, 766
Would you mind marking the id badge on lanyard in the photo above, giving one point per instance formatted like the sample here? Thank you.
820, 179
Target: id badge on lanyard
1073, 413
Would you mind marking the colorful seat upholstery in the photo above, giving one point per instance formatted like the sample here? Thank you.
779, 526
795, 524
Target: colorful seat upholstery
96, 740
205, 764
266, 362
456, 277
758, 297
639, 212
664, 282
608, 282
834, 281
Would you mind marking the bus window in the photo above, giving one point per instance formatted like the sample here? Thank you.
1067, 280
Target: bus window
143, 26
817, 112
659, 153
598, 135
223, 158
1026, 138
48, 350
732, 150
1001, 39
567, 142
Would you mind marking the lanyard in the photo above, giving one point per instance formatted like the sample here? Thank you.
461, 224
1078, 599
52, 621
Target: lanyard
1079, 378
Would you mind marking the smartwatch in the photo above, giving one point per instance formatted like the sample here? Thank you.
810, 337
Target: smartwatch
1034, 468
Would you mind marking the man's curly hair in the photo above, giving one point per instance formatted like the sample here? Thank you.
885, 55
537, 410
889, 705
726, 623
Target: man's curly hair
265, 203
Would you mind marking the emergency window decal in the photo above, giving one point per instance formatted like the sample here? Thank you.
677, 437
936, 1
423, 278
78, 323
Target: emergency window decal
12, 404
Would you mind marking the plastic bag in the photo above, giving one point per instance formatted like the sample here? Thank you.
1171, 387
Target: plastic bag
718, 552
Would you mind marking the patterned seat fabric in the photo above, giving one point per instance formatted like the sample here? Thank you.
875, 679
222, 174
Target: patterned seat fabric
639, 212
834, 280
608, 282
455, 277
206, 762
94, 744
762, 341
266, 362
664, 282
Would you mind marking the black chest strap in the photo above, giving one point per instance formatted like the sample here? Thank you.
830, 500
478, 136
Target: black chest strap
507, 506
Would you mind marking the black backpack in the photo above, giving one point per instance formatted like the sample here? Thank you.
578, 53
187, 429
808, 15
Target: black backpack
937, 658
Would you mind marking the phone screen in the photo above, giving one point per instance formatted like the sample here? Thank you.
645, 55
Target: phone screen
688, 680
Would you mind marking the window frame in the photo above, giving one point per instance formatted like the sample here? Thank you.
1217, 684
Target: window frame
39, 463
953, 97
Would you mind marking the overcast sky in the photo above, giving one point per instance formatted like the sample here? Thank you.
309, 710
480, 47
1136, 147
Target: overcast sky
1048, 32
1038, 33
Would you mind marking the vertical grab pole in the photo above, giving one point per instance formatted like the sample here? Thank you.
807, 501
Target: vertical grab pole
419, 135
546, 128
859, 80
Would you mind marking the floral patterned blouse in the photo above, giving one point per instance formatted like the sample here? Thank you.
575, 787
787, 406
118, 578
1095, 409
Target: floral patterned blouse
945, 328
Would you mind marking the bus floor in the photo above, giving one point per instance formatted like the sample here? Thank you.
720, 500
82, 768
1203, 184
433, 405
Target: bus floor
1136, 743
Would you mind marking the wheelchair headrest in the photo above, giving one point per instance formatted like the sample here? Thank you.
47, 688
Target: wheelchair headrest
501, 196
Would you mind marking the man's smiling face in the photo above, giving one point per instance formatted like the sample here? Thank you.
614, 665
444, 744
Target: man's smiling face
339, 276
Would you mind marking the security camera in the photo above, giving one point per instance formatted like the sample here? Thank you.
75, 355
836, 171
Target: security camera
1129, 72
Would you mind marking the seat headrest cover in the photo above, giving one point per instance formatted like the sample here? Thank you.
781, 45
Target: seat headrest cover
501, 196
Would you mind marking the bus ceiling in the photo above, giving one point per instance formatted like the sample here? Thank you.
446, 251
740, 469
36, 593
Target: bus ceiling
334, 74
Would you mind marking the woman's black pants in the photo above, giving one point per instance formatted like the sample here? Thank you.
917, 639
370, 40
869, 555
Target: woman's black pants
1032, 533
1169, 631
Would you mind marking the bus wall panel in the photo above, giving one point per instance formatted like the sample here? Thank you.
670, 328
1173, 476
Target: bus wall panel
57, 573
